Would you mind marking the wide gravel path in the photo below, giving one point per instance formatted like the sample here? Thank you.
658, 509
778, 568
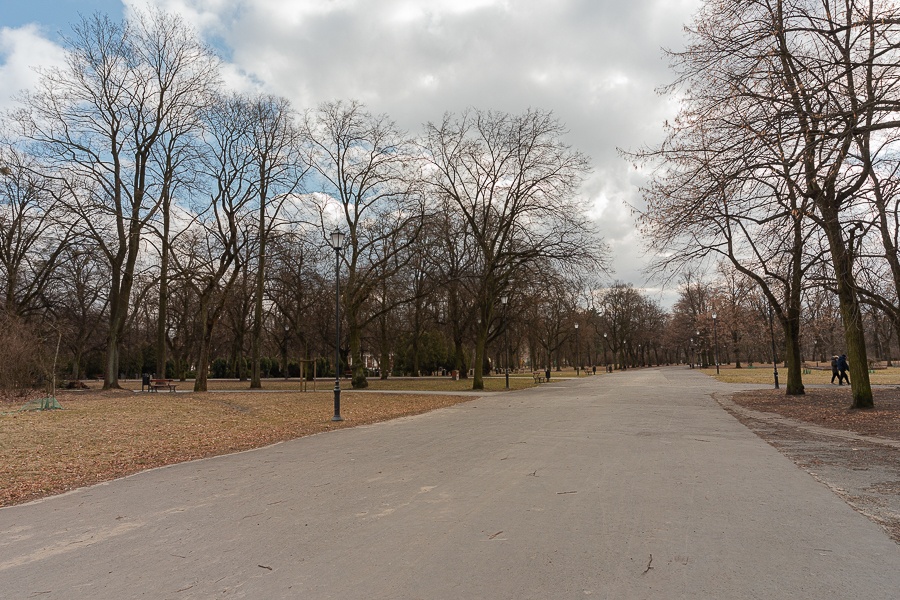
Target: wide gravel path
630, 485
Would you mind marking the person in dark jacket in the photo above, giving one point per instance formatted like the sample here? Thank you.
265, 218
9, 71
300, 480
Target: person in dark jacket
843, 367
834, 368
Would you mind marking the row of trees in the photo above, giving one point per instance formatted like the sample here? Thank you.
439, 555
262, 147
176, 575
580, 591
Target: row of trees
156, 221
782, 162
146, 210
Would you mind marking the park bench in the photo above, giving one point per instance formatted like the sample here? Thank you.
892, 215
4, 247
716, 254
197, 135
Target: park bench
538, 377
162, 384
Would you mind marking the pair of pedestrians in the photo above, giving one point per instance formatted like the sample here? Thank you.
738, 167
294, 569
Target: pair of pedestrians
839, 368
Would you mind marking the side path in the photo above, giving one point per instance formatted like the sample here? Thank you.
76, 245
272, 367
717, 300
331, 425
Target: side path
631, 485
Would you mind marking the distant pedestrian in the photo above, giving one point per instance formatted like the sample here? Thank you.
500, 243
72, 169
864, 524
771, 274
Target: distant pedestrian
843, 367
834, 368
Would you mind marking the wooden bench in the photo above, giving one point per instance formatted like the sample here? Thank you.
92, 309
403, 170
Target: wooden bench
538, 377
162, 384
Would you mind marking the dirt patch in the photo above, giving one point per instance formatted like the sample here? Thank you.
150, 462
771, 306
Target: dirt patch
856, 453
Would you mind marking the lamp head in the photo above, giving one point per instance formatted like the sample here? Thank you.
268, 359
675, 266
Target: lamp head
337, 239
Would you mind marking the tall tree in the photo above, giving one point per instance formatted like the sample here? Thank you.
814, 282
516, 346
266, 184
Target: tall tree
34, 232
514, 182
367, 173
99, 119
209, 260
276, 152
793, 91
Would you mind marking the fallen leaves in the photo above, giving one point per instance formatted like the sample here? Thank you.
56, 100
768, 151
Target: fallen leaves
105, 435
828, 407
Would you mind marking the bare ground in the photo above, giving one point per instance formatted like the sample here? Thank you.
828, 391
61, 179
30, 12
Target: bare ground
856, 453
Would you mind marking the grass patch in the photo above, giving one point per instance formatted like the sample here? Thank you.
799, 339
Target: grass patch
416, 384
763, 374
104, 435
494, 383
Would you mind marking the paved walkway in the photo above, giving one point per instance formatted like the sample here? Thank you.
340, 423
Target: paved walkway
631, 485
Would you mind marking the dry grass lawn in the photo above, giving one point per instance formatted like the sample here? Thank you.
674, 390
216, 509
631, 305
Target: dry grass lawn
104, 435
764, 374
494, 383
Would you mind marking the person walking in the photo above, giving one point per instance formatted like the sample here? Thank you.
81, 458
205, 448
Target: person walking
843, 367
834, 368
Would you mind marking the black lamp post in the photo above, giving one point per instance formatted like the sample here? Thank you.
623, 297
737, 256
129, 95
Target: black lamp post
700, 359
691, 357
716, 342
605, 354
337, 242
505, 300
287, 339
577, 353
772, 333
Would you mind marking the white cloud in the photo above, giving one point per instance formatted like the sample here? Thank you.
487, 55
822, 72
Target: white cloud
21, 50
595, 63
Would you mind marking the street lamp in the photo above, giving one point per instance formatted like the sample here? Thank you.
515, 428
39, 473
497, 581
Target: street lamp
772, 333
691, 357
287, 339
577, 352
716, 342
605, 355
700, 361
504, 300
337, 242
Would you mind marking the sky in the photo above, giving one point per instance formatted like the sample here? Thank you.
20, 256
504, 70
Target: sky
597, 64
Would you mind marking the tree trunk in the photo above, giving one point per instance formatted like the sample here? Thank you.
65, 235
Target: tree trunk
478, 378
76, 365
161, 325
111, 380
459, 358
384, 360
415, 341
792, 359
111, 377
854, 334
359, 381
256, 334
200, 380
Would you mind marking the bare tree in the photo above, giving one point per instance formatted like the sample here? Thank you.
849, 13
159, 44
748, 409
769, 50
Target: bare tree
296, 286
619, 309
780, 100
100, 119
175, 162
34, 232
879, 261
514, 184
79, 301
551, 302
210, 252
276, 152
366, 171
